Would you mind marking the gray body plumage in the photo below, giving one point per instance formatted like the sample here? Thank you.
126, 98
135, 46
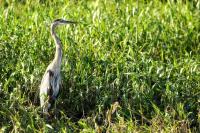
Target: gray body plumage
49, 87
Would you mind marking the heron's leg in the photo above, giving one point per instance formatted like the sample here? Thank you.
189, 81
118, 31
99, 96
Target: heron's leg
56, 111
53, 109
45, 115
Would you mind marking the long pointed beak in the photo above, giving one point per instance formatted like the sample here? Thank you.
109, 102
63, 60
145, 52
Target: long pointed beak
69, 22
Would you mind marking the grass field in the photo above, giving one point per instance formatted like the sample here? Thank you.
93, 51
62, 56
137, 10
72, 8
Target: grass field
129, 66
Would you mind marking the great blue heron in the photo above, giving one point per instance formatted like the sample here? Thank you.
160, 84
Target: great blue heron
49, 86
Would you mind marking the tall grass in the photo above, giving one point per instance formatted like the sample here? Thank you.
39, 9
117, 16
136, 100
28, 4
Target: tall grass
133, 66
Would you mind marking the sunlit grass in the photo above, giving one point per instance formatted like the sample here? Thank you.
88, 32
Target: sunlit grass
144, 55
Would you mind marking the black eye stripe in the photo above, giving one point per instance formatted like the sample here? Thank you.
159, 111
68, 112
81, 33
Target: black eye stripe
58, 20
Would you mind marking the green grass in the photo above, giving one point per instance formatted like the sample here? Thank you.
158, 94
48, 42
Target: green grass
145, 56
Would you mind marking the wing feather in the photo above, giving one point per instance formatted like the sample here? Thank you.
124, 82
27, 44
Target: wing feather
49, 89
46, 89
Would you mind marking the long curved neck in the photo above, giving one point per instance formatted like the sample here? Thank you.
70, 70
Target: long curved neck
58, 54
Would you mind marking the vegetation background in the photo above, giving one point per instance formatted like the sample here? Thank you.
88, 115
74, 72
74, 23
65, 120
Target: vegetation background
128, 66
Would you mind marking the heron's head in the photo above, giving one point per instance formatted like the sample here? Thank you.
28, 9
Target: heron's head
61, 22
